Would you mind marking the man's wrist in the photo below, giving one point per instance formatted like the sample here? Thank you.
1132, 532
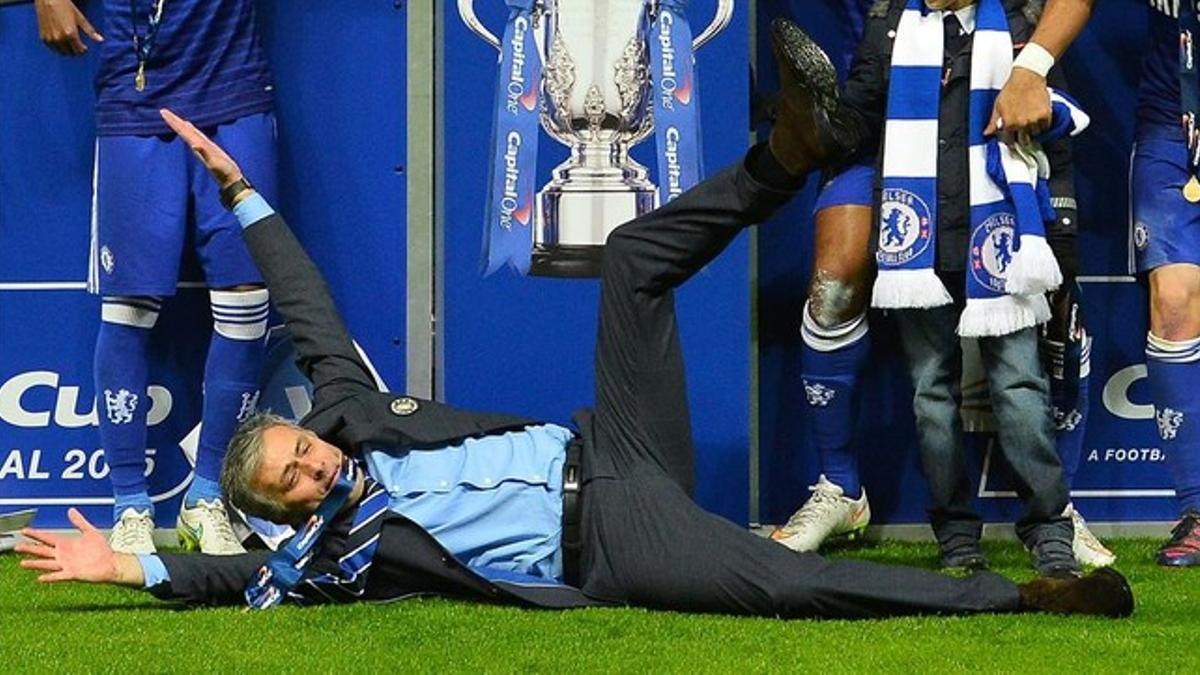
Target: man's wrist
251, 209
127, 571
1035, 58
231, 191
241, 197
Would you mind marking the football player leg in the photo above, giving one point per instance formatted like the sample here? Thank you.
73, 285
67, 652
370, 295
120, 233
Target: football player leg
1166, 238
121, 374
836, 345
139, 216
1070, 425
240, 306
1173, 366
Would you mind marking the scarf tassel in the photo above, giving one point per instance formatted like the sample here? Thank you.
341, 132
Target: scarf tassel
1002, 315
1034, 268
913, 288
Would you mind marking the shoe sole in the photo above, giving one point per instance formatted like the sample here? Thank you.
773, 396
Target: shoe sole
1126, 609
809, 63
1179, 563
847, 536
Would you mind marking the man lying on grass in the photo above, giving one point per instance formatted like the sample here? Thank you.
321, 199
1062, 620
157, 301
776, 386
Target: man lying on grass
396, 496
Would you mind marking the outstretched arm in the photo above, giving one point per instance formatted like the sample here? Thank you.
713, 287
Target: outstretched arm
193, 578
1023, 106
326, 354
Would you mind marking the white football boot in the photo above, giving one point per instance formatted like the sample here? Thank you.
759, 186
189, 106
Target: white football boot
206, 527
133, 533
1088, 549
827, 513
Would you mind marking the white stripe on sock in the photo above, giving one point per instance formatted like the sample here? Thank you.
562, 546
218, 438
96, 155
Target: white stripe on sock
134, 312
835, 337
240, 315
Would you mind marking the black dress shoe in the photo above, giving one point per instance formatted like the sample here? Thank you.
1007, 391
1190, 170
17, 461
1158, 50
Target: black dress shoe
805, 136
1104, 592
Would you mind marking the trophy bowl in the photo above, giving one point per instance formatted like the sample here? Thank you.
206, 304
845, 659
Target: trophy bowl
596, 99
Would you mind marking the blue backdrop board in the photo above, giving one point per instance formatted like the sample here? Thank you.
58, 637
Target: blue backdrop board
342, 154
525, 344
1122, 475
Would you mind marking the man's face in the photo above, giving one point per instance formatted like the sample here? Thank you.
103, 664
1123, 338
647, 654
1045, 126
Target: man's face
951, 5
297, 469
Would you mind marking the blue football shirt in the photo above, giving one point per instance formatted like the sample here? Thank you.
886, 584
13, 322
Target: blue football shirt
1158, 108
207, 65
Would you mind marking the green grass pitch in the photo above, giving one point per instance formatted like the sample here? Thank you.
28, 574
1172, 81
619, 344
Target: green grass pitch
73, 628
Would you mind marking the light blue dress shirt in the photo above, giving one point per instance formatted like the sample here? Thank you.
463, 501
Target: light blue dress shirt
494, 502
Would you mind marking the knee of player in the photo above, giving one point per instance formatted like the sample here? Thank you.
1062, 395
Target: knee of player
1172, 313
834, 299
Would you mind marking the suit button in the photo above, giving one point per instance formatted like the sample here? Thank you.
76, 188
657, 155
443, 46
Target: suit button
404, 406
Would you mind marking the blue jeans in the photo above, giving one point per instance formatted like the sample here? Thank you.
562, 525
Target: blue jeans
1020, 395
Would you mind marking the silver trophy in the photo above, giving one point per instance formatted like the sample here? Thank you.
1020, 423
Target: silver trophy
596, 100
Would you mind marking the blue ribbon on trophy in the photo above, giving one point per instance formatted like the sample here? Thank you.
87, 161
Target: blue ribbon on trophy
676, 105
507, 239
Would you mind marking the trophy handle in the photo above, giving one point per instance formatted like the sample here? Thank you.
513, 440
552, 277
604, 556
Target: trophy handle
466, 10
720, 21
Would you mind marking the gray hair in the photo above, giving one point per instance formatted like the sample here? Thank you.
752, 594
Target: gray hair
242, 459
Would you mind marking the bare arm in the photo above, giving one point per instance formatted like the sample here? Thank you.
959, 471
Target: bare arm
1061, 23
60, 25
1023, 106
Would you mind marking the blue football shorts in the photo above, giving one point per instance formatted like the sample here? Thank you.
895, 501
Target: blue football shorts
854, 186
1165, 227
152, 198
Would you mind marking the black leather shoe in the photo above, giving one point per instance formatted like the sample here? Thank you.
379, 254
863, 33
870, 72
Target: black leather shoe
1104, 592
804, 137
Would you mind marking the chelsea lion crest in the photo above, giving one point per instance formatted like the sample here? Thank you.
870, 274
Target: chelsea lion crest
992, 250
904, 233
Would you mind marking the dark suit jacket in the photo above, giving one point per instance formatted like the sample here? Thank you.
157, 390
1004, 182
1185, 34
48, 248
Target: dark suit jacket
864, 106
351, 413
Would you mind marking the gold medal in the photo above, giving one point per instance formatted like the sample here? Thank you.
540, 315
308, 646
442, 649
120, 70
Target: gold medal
139, 83
1191, 191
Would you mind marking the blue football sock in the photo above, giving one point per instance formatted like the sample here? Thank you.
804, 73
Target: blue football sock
202, 488
1174, 369
1071, 424
121, 398
833, 358
231, 376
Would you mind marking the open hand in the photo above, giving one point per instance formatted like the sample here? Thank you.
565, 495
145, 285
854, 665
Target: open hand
1022, 108
217, 161
84, 558
60, 24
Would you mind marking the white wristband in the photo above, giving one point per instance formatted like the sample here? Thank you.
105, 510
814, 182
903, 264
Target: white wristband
1034, 57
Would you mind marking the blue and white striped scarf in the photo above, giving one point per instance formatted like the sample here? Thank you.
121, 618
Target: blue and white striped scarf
1009, 263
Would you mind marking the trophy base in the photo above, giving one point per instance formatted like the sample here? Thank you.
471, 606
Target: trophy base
567, 261
576, 213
